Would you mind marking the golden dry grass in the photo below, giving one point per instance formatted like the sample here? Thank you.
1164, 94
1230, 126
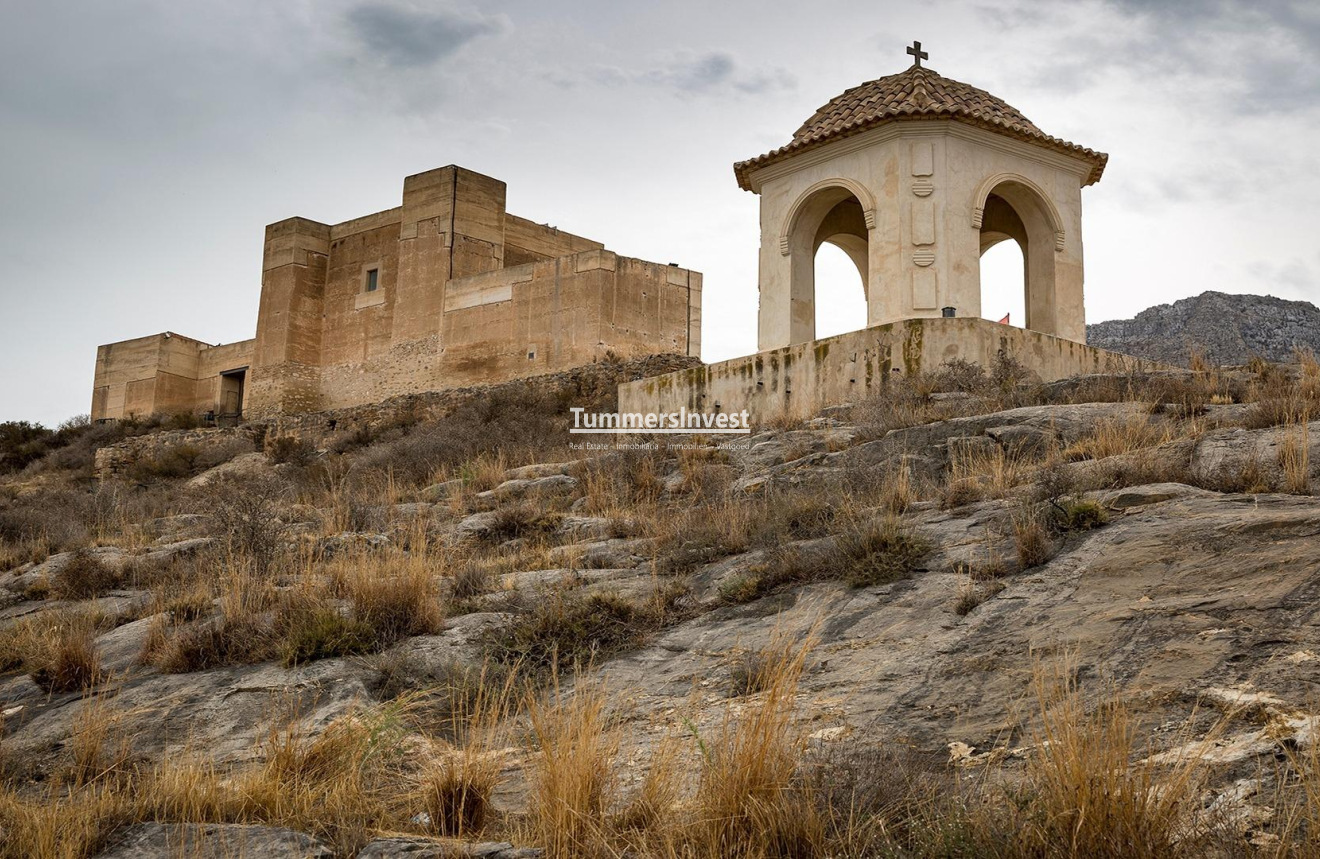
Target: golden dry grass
572, 780
1294, 454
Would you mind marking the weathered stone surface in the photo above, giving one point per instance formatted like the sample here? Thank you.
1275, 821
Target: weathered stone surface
225, 711
169, 529
1140, 496
444, 848
214, 841
113, 557
1198, 591
478, 524
1227, 452
1022, 439
542, 469
120, 648
554, 484
444, 490
351, 541
969, 447
243, 467
595, 527
602, 554
459, 643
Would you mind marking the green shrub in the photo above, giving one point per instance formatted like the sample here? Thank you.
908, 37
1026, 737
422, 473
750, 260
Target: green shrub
324, 633
1080, 515
567, 629
880, 552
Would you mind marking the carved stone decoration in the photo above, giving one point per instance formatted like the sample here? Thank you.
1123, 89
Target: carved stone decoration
923, 187
925, 289
923, 257
1058, 241
923, 223
978, 215
923, 158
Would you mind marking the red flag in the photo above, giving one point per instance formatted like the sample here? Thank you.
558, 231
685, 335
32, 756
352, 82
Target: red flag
1004, 321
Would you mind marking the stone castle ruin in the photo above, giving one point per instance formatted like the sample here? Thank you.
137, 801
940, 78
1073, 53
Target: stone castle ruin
914, 176
445, 291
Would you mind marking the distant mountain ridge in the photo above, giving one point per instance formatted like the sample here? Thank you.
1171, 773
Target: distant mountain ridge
1228, 329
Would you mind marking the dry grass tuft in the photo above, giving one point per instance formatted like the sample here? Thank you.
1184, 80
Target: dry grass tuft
457, 787
67, 660
1090, 795
748, 803
1114, 437
572, 779
83, 576
1031, 536
1295, 458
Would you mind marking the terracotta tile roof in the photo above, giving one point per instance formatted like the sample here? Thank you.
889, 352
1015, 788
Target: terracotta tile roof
918, 93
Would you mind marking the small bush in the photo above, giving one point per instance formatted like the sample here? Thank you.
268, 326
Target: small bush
226, 640
701, 535
245, 515
471, 580
972, 593
960, 492
71, 664
793, 516
880, 552
455, 801
21, 443
1080, 515
289, 449
395, 605
789, 565
523, 519
324, 633
1031, 537
173, 463
754, 671
83, 576
566, 628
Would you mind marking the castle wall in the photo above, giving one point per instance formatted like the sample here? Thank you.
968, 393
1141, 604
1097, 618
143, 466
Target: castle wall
162, 374
798, 381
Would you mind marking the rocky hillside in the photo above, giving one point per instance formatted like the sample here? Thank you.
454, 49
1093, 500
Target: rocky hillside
1227, 329
1077, 619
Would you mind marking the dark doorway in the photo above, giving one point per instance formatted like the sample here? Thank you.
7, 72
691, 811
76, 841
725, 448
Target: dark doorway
231, 397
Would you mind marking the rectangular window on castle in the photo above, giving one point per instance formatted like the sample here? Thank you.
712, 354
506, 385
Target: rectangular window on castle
372, 279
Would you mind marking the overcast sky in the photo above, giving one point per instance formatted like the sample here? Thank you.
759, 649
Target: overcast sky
145, 145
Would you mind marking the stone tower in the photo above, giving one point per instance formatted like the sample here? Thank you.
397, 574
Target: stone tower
914, 176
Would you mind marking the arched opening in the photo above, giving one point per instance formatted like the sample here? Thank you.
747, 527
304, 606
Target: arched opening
1003, 264
1019, 236
840, 292
831, 216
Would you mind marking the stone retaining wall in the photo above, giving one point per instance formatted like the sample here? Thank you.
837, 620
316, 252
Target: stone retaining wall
586, 383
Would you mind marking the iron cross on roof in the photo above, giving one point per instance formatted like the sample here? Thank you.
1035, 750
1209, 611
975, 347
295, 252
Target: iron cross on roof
916, 51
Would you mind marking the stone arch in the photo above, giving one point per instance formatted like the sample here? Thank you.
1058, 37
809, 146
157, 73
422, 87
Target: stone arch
1011, 207
840, 212
1050, 211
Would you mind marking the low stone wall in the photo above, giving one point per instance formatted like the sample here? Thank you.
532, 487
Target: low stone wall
798, 381
116, 459
583, 384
